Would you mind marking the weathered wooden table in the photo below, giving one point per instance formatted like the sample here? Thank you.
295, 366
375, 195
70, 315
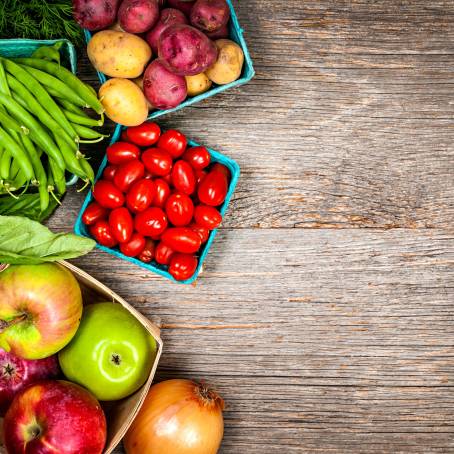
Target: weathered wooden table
325, 314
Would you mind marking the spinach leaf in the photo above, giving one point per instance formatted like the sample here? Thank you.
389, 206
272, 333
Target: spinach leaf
23, 241
26, 205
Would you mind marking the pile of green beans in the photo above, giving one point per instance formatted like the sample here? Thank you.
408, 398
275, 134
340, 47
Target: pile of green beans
42, 123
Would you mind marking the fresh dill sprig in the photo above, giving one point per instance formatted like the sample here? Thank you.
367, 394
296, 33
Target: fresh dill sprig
39, 19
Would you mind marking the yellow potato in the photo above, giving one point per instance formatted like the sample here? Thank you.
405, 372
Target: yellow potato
118, 54
198, 84
124, 102
229, 64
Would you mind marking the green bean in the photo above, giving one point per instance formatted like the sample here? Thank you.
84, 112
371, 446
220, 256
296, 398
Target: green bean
41, 95
10, 123
27, 100
5, 164
68, 78
68, 105
14, 168
40, 173
54, 83
58, 177
18, 182
87, 133
88, 170
81, 120
71, 160
37, 133
50, 53
58, 95
18, 153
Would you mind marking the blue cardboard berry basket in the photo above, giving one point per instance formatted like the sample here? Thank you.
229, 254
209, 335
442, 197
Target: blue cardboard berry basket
236, 34
81, 229
21, 47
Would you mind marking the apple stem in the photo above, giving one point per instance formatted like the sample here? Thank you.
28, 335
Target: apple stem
4, 325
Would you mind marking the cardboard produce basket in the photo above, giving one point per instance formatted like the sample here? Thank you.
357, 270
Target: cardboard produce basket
121, 413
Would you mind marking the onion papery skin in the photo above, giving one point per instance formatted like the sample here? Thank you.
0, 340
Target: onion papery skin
177, 417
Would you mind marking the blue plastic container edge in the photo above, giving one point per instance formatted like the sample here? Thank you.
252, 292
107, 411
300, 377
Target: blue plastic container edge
72, 57
80, 229
236, 32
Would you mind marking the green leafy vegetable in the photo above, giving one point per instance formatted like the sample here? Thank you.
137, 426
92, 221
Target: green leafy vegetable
39, 19
27, 205
23, 241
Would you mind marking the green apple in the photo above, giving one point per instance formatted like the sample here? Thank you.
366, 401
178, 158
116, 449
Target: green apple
111, 354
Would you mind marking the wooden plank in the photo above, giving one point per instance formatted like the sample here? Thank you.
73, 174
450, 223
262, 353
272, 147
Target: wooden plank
334, 340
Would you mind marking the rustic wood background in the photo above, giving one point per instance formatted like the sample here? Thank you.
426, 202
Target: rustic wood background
325, 313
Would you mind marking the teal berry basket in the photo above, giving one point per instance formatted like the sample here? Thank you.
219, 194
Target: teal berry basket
236, 34
81, 229
25, 47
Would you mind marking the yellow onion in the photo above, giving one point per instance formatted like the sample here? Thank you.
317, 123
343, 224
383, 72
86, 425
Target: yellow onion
177, 417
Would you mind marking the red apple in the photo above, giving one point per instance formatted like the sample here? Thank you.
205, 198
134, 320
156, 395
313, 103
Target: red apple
55, 416
40, 310
16, 373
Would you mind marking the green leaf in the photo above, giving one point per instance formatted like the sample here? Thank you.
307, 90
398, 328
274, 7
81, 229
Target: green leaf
27, 205
23, 241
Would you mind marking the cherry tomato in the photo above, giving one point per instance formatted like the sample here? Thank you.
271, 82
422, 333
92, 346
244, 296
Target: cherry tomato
213, 188
144, 135
203, 232
168, 179
121, 224
157, 161
108, 195
222, 168
183, 177
182, 266
109, 173
182, 239
179, 209
147, 254
121, 152
163, 253
151, 222
141, 195
134, 246
207, 216
199, 176
148, 175
93, 213
162, 192
102, 233
128, 173
173, 142
198, 157
124, 136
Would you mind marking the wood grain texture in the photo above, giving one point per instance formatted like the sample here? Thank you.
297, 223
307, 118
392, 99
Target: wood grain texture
325, 312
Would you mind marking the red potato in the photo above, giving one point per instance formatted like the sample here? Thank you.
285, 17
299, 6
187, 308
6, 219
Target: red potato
222, 33
162, 88
210, 15
186, 51
184, 6
169, 16
138, 16
95, 14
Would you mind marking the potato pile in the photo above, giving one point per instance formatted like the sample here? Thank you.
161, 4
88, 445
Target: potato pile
183, 48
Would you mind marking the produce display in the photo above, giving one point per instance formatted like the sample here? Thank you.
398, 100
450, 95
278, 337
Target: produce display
158, 199
42, 123
76, 361
180, 50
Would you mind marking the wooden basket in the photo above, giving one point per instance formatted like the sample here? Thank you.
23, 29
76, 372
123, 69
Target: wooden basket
119, 414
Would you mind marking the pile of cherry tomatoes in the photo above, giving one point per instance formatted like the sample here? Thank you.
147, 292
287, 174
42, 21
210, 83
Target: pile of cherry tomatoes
157, 202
